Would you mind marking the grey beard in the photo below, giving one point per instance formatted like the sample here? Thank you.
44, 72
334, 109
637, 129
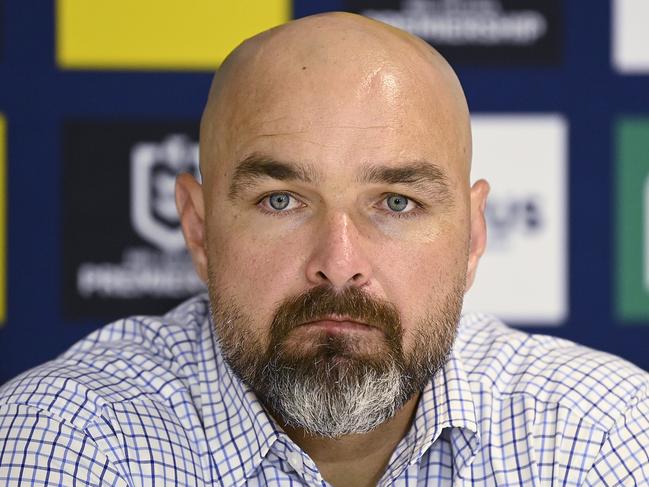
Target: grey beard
336, 400
330, 394
330, 398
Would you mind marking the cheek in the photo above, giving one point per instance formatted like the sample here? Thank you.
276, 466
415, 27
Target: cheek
419, 279
259, 270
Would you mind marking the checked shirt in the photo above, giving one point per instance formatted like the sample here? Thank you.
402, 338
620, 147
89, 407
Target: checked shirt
150, 401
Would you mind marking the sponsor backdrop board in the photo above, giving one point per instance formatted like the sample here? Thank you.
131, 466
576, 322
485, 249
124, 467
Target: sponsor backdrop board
2, 30
102, 100
481, 32
524, 158
3, 220
124, 34
123, 250
632, 238
630, 34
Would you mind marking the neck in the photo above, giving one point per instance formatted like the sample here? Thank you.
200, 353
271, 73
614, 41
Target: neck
358, 460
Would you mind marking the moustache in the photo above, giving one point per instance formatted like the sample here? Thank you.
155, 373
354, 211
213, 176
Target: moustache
324, 302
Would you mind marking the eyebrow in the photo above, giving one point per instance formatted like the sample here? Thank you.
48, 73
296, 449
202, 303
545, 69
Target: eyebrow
424, 176
258, 166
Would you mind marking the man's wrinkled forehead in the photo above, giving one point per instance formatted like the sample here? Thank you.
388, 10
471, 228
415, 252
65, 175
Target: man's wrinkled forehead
314, 73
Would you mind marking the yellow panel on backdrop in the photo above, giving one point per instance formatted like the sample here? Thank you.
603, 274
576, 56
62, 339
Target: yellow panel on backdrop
3, 221
158, 34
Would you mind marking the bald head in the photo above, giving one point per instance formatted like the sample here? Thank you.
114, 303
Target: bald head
323, 67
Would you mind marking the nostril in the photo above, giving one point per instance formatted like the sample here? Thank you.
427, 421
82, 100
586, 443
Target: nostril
321, 275
357, 277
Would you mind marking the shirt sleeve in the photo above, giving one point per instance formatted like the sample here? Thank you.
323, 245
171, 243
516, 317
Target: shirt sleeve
624, 457
39, 449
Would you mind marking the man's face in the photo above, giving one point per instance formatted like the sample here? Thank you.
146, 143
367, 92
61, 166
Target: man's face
355, 188
340, 221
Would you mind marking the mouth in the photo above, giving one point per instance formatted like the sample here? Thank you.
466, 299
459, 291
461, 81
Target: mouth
338, 324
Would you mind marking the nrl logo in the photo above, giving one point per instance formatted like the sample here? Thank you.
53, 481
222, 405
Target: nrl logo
154, 167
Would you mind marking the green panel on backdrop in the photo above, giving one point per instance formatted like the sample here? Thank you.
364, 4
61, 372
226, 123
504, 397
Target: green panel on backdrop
632, 193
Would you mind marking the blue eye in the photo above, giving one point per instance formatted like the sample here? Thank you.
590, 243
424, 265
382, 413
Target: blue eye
397, 202
279, 201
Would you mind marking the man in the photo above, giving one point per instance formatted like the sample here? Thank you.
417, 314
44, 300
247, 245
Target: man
337, 232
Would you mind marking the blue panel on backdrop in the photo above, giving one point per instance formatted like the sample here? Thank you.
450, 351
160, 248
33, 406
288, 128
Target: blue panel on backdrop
58, 119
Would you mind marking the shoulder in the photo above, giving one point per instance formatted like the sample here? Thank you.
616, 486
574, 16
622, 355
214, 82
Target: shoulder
130, 359
597, 386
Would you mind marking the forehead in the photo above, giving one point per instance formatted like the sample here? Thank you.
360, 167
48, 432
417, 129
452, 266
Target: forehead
360, 120
330, 106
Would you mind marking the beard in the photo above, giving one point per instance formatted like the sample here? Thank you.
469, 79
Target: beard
334, 384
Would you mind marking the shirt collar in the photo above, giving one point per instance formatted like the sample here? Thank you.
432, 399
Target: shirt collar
446, 404
238, 430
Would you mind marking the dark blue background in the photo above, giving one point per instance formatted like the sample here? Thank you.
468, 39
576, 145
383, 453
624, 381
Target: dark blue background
36, 97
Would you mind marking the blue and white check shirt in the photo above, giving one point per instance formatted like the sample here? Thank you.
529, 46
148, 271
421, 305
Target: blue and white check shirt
149, 401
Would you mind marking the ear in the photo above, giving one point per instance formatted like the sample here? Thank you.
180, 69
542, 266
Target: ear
191, 210
478, 242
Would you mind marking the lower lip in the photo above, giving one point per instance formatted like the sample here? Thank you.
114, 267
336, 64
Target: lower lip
331, 326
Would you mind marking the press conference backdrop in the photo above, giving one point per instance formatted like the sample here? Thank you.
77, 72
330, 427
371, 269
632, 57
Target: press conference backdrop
99, 106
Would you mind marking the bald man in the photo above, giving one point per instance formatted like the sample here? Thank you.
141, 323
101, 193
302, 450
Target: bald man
337, 232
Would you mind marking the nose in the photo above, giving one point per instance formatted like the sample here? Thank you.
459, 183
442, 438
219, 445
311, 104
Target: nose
338, 258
